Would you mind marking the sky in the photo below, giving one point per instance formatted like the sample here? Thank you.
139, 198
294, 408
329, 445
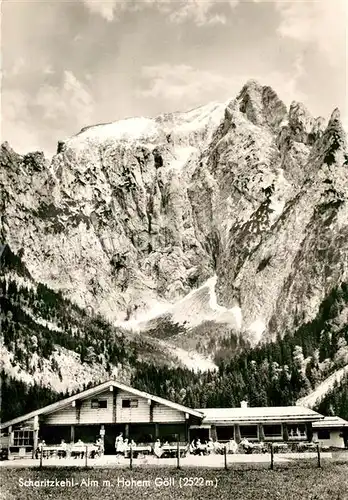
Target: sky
71, 63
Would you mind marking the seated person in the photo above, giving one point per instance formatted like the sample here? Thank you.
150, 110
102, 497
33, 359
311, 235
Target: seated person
200, 447
125, 450
192, 448
246, 445
232, 446
210, 446
43, 444
218, 447
80, 453
39, 449
63, 449
98, 450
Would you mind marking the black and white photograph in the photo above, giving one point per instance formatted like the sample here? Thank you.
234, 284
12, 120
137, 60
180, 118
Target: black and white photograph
174, 250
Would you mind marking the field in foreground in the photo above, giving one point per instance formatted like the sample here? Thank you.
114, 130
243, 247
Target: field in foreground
307, 483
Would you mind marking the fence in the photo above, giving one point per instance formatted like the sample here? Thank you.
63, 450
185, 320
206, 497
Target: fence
179, 459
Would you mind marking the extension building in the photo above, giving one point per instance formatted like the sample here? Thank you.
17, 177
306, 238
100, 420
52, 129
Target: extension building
331, 432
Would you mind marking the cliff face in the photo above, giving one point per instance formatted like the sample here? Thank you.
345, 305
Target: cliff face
234, 213
285, 257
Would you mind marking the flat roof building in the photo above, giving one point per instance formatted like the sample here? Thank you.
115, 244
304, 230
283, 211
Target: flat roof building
331, 432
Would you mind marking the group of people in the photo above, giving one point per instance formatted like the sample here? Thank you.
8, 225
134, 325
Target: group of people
76, 450
196, 447
79, 449
161, 450
61, 452
209, 447
123, 445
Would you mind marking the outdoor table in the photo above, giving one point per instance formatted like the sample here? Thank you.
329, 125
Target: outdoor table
138, 449
50, 451
220, 449
172, 450
307, 446
277, 447
257, 447
80, 450
202, 449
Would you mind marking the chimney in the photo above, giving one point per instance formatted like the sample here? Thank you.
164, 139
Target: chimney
244, 404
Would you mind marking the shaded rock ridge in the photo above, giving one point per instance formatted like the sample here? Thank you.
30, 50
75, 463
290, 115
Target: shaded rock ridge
50, 341
244, 200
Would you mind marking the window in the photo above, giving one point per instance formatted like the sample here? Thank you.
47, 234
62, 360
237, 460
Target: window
99, 403
129, 403
248, 431
297, 431
323, 434
23, 438
224, 433
274, 430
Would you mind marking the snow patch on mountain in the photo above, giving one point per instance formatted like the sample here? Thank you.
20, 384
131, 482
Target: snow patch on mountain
198, 306
209, 115
182, 155
128, 129
256, 329
315, 397
183, 125
191, 359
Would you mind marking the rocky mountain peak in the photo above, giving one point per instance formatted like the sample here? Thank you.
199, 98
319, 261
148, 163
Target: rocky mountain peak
335, 117
261, 104
332, 146
303, 126
207, 215
8, 155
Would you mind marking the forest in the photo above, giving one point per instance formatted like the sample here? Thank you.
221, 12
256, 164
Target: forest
274, 373
335, 401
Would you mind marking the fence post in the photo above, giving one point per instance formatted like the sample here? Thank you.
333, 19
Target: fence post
178, 454
41, 455
131, 457
272, 456
318, 451
86, 457
225, 456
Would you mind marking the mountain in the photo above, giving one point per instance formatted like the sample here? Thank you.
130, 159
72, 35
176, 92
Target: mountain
207, 231
49, 341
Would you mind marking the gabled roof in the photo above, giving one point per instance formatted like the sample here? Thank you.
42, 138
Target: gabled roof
93, 392
259, 414
331, 422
